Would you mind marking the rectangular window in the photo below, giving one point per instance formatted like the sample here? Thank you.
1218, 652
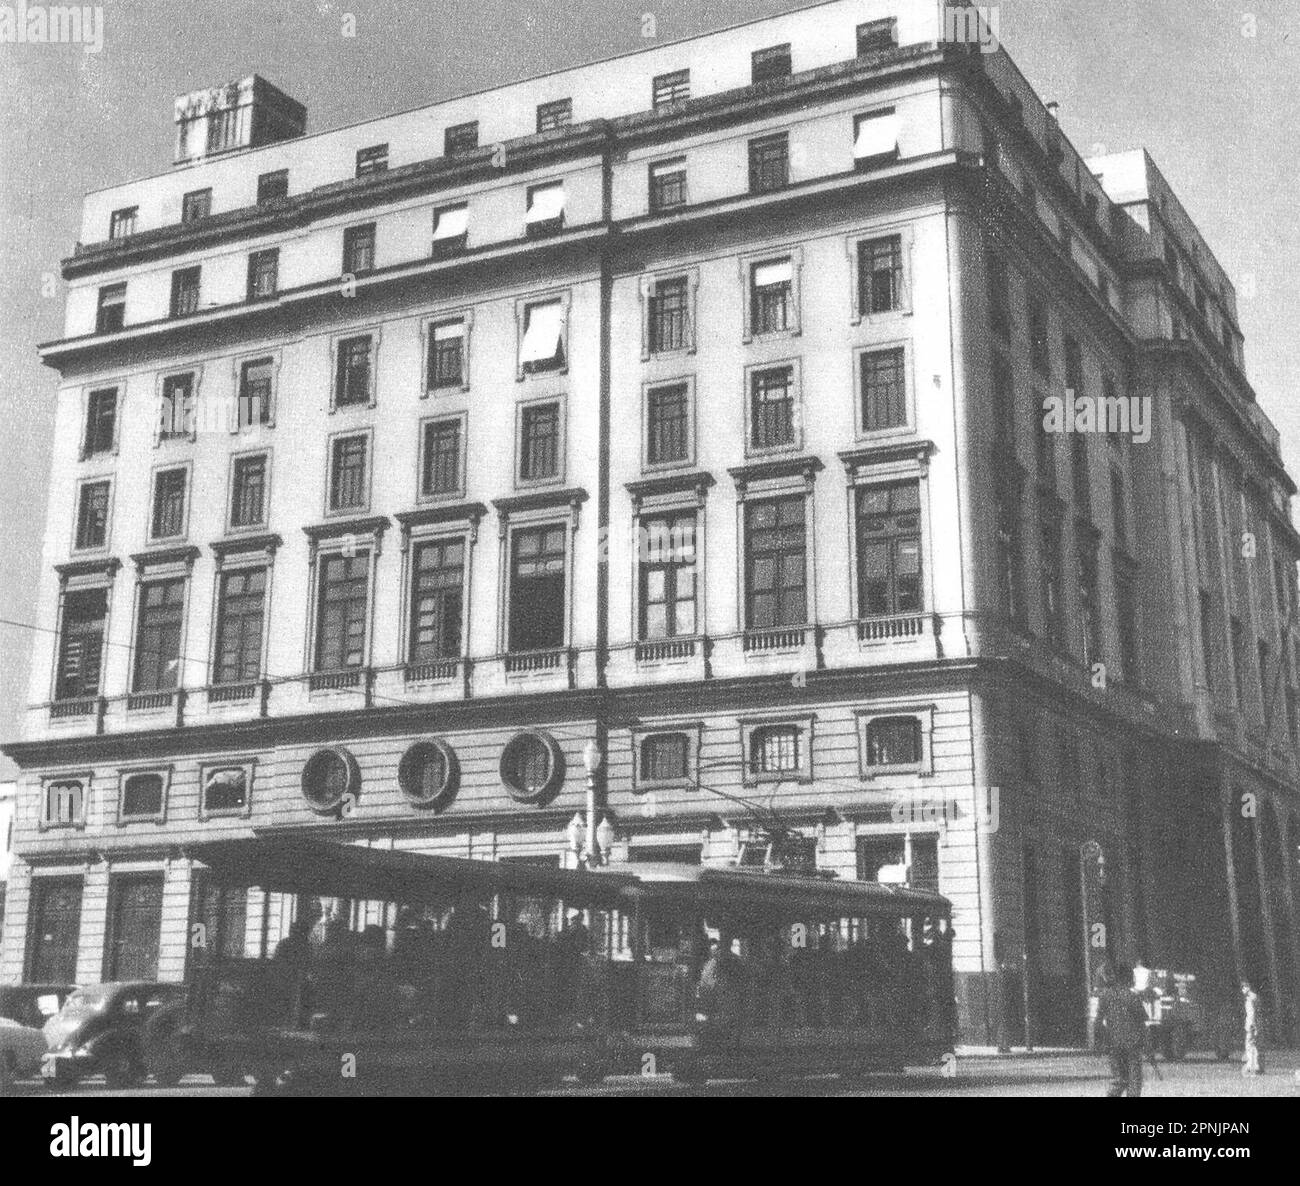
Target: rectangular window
223, 129
359, 249
255, 389
348, 484
372, 160
121, 223
92, 515
101, 422
353, 376
441, 471
1040, 349
893, 742
460, 138
999, 296
880, 275
111, 313
775, 749
877, 36
667, 579
185, 292
158, 636
55, 930
664, 757
81, 644
545, 208
776, 576
889, 549
542, 348
225, 791
248, 492
1052, 575
437, 597
344, 604
668, 424
884, 390
669, 310
195, 205
176, 417
446, 355
169, 488
875, 140
65, 804
450, 230
771, 63
672, 88
769, 163
142, 796
241, 608
539, 442
771, 413
668, 185
771, 296
263, 272
537, 588
554, 115
271, 186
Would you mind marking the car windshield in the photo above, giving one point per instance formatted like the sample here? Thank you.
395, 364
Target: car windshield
86, 1001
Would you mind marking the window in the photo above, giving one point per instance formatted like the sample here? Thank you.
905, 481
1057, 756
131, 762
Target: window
884, 390
195, 205
169, 489
359, 249
769, 163
772, 408
1008, 555
893, 741
1051, 560
65, 804
532, 766
539, 442
537, 588
142, 796
352, 381
349, 489
450, 229
223, 129
1126, 612
664, 757
1040, 349
185, 292
344, 604
427, 774
111, 313
776, 575
92, 515
101, 422
440, 473
176, 416
557, 114
372, 160
672, 88
437, 600
669, 313
446, 355
460, 138
775, 749
875, 139
545, 208
542, 348
241, 607
271, 186
999, 293
327, 777
668, 184
889, 549
263, 268
880, 275
772, 63
121, 223
248, 491
255, 390
158, 636
772, 296
667, 583
81, 644
225, 791
668, 424
1089, 598
877, 36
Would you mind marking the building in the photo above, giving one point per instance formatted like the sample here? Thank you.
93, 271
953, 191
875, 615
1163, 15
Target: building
692, 404
8, 802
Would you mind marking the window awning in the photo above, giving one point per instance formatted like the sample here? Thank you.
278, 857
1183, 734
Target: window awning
547, 204
780, 272
667, 168
877, 136
451, 224
542, 338
449, 330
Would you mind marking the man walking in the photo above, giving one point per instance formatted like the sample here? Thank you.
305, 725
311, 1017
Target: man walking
1125, 1021
1252, 1063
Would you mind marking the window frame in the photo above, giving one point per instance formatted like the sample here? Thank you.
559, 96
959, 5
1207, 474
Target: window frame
648, 388
244, 455
456, 137
351, 233
692, 731
554, 115
371, 160
88, 402
542, 521
78, 822
331, 444
523, 307
164, 575
796, 443
207, 769
241, 363
272, 179
654, 202
461, 419
103, 304
126, 215
196, 197
165, 379
749, 265
755, 149
243, 563
444, 535
375, 335
871, 29
522, 408
260, 257
750, 727
93, 480
124, 775
902, 346
428, 325
67, 590
179, 288
642, 565
762, 61
923, 714
185, 467
670, 88
906, 234
876, 161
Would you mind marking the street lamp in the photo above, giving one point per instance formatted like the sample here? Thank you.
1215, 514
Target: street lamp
592, 760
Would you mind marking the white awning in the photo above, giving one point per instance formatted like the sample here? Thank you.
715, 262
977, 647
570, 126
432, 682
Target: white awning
542, 338
781, 272
877, 136
547, 204
452, 329
451, 224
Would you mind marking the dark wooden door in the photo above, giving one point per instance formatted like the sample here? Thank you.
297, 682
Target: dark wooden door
134, 928
55, 931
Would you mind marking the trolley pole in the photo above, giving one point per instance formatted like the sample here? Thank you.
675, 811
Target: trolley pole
592, 760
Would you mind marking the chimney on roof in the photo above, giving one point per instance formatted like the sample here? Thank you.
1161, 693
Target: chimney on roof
243, 114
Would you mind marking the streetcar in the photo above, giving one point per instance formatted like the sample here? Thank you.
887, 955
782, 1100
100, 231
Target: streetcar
379, 971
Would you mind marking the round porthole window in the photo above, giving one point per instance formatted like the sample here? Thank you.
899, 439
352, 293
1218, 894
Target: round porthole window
427, 775
331, 780
532, 767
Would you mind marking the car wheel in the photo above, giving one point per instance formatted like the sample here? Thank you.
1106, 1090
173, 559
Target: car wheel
120, 1071
64, 1077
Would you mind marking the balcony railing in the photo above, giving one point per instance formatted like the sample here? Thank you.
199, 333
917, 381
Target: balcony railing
335, 681
62, 710
784, 638
890, 629
530, 662
665, 649
149, 701
435, 671
231, 693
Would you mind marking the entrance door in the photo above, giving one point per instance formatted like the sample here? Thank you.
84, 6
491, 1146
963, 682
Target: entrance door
135, 925
55, 929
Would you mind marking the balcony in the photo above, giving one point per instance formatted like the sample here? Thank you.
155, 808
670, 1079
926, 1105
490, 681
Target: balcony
886, 638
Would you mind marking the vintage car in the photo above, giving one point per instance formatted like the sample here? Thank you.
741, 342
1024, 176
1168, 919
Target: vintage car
33, 1004
101, 1029
21, 1049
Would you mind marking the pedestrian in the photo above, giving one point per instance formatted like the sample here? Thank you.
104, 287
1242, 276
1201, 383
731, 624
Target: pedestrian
1125, 1023
1252, 1062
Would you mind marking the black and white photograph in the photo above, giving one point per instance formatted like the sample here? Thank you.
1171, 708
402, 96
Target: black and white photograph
644, 549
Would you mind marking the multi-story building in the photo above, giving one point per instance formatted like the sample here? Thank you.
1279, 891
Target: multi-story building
691, 404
